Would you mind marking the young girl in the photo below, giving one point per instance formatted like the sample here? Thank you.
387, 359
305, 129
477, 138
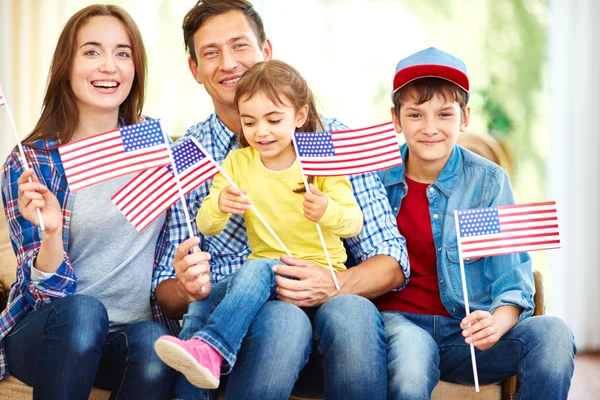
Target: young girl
82, 309
273, 101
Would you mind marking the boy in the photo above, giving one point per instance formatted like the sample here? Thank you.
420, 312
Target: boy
427, 330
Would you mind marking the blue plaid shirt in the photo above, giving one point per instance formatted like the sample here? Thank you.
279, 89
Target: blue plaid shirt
230, 249
26, 295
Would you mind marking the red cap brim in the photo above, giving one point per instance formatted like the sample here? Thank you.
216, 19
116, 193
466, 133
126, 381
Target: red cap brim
409, 74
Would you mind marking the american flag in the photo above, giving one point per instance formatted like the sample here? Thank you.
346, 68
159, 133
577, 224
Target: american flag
508, 229
2, 101
348, 152
114, 153
152, 192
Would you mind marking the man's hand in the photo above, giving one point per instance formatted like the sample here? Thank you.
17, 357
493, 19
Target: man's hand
315, 203
233, 201
313, 287
193, 271
484, 331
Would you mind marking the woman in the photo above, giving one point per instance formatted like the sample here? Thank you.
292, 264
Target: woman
83, 311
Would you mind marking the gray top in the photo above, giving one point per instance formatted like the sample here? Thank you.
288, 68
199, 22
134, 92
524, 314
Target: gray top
112, 261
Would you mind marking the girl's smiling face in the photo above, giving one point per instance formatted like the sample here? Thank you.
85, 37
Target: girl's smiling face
268, 128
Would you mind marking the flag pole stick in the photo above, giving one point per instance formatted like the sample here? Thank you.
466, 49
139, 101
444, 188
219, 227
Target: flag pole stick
178, 184
335, 281
188, 221
232, 183
466, 298
22, 153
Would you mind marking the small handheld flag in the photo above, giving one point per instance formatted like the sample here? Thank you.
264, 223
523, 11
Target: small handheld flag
500, 230
508, 229
348, 152
153, 191
21, 153
114, 153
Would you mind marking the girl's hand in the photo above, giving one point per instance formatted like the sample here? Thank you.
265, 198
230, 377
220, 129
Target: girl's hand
34, 195
484, 331
315, 204
232, 201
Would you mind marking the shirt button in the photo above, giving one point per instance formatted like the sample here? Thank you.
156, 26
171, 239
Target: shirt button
431, 189
441, 281
395, 208
439, 249
435, 216
454, 309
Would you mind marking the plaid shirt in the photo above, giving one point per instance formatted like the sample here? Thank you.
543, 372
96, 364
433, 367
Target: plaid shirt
26, 295
229, 249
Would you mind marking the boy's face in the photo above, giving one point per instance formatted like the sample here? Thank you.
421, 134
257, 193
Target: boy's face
431, 130
226, 47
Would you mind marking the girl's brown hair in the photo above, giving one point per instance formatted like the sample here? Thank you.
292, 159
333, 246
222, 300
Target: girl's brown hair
279, 81
60, 117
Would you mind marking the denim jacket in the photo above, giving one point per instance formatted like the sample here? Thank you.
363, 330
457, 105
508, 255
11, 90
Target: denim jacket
468, 181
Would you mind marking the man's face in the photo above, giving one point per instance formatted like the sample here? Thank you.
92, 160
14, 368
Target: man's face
226, 46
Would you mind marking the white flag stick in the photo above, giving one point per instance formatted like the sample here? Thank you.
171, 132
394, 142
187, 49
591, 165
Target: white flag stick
188, 221
22, 153
466, 298
179, 187
232, 183
337, 285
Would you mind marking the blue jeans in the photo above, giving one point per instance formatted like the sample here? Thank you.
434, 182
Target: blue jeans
345, 335
64, 348
422, 349
249, 289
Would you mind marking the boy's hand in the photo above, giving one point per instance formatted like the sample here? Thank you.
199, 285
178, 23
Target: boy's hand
232, 201
315, 204
484, 331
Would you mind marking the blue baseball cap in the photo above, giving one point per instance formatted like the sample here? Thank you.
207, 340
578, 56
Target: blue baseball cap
431, 63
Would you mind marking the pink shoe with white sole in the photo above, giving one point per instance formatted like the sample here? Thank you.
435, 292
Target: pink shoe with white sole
194, 358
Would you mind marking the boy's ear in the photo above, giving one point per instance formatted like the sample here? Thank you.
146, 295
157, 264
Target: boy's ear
396, 120
465, 119
194, 70
301, 116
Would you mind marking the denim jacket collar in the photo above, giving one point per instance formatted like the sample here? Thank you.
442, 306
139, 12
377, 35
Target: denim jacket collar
446, 182
451, 172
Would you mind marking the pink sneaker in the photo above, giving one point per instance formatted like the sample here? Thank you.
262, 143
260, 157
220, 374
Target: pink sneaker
194, 358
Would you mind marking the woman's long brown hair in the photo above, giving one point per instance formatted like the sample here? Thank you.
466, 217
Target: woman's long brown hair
279, 81
60, 117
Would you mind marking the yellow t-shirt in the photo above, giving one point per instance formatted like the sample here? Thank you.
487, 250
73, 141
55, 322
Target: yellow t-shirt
272, 195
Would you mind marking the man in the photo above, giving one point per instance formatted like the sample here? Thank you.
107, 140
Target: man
342, 329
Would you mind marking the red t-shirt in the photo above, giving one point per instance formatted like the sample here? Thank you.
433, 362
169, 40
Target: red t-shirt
422, 294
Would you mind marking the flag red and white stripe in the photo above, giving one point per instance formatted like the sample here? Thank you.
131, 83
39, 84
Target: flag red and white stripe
152, 192
114, 153
348, 152
508, 229
2, 101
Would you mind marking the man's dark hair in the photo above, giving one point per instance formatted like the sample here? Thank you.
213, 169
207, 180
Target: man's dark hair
206, 9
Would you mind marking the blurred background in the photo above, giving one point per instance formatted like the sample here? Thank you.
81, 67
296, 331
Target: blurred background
534, 67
